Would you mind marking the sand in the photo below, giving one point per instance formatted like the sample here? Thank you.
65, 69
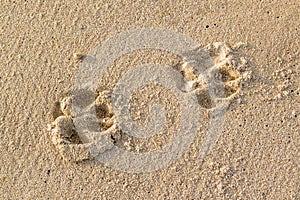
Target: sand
255, 157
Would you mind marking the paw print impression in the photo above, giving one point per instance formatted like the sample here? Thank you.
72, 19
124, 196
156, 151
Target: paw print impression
217, 84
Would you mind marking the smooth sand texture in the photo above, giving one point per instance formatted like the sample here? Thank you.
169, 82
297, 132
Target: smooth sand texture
257, 156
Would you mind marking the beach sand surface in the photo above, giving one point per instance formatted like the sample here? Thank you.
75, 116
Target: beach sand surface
255, 157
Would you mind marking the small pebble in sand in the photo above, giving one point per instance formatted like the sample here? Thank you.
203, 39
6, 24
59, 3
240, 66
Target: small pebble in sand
294, 113
78, 56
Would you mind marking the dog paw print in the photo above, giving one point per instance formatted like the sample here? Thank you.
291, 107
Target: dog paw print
70, 144
218, 84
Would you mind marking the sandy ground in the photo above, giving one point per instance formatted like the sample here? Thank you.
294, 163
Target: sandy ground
257, 155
